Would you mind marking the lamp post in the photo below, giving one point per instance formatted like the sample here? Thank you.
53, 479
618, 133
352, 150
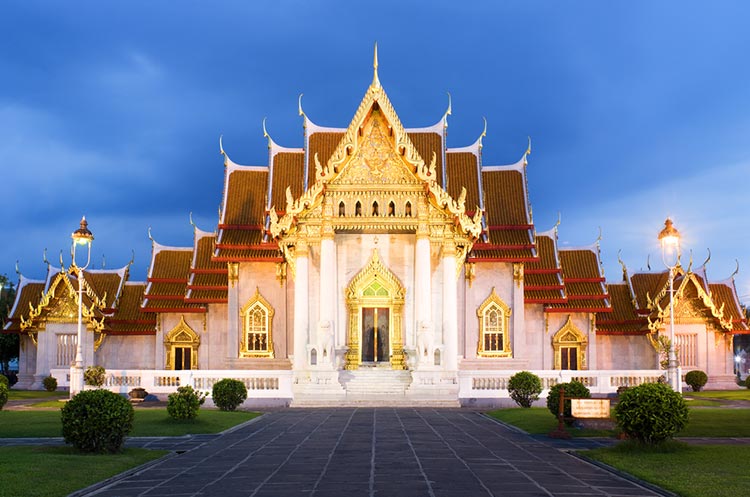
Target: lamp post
669, 238
81, 237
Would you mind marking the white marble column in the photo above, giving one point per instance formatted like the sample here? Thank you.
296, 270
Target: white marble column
301, 303
233, 312
518, 317
422, 286
326, 306
450, 305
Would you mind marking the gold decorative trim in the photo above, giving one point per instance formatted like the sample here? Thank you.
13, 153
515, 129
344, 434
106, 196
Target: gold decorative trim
375, 271
570, 336
494, 301
257, 300
182, 335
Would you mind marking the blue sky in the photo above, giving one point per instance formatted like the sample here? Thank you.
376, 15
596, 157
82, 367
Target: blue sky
637, 111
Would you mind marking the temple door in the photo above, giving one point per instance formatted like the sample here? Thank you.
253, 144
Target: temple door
376, 338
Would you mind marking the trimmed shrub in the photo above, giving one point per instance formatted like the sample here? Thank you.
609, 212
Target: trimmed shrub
4, 392
185, 403
747, 382
228, 394
572, 389
696, 379
50, 383
94, 376
4, 380
651, 413
97, 421
524, 388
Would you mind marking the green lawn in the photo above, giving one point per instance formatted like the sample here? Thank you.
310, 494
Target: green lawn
741, 394
38, 471
147, 423
36, 394
704, 422
690, 471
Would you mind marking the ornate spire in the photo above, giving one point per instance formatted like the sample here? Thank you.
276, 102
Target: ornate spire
375, 80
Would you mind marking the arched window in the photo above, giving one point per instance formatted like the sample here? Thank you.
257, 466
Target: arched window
391, 209
407, 209
494, 327
257, 318
375, 209
358, 208
342, 209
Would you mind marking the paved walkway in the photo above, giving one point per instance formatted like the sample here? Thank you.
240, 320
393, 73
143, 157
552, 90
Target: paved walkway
369, 452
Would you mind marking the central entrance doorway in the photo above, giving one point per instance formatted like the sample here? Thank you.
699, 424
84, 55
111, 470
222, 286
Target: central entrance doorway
375, 300
376, 339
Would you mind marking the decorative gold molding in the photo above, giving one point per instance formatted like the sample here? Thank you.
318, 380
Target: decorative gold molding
257, 301
570, 336
375, 272
496, 304
182, 335
233, 273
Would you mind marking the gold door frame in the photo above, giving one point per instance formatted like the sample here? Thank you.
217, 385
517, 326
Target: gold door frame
182, 335
390, 295
570, 336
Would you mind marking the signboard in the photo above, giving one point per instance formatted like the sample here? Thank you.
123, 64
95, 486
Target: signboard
590, 408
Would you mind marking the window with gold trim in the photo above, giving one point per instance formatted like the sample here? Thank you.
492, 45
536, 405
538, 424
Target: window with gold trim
257, 320
569, 345
494, 327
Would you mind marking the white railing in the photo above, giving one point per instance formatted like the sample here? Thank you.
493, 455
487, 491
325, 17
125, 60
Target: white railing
260, 384
494, 384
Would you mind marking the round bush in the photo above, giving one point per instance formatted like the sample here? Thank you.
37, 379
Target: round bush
696, 379
185, 403
747, 382
50, 383
4, 380
651, 413
94, 376
572, 389
228, 394
97, 421
524, 388
4, 392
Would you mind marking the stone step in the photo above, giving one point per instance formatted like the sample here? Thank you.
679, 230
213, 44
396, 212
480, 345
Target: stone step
376, 401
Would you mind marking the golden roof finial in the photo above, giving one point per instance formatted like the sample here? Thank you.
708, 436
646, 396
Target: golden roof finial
299, 105
528, 149
221, 145
151, 237
484, 133
375, 80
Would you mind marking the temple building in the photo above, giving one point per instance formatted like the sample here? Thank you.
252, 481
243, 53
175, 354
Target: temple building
374, 262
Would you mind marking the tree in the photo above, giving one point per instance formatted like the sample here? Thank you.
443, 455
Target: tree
9, 343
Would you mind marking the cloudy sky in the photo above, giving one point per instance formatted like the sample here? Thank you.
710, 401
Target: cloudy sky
637, 111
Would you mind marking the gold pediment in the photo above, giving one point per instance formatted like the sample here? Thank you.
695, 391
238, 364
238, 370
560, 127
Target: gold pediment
63, 310
375, 160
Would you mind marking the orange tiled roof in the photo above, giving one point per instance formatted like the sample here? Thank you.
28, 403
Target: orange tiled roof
288, 171
208, 278
543, 282
462, 172
623, 320
428, 144
128, 318
725, 294
167, 281
584, 283
323, 143
509, 227
28, 293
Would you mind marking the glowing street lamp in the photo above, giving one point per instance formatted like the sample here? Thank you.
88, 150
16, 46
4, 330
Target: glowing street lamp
82, 237
669, 238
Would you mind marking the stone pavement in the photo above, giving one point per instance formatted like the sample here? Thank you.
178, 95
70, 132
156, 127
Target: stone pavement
368, 452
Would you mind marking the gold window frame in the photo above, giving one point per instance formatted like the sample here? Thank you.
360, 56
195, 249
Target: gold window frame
491, 303
570, 336
257, 301
182, 335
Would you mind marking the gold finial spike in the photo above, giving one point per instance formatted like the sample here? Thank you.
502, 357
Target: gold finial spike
736, 270
484, 133
448, 111
375, 79
149, 235
18, 269
44, 257
528, 149
192, 223
221, 145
